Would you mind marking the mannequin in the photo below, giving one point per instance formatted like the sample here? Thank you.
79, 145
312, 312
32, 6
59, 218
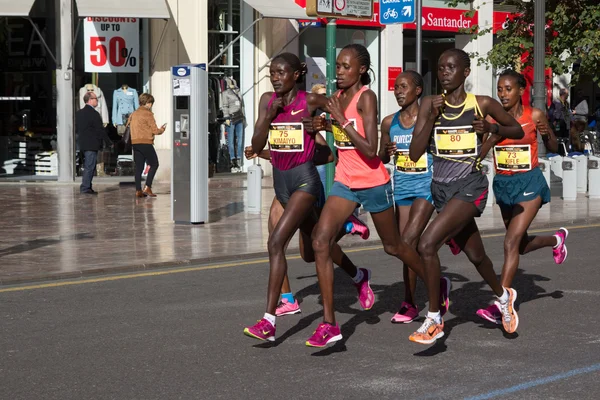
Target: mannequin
125, 101
233, 112
102, 108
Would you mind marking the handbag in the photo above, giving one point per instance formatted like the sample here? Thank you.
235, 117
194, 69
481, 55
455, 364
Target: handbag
127, 134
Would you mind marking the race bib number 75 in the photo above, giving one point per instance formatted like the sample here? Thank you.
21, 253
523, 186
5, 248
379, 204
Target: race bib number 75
286, 137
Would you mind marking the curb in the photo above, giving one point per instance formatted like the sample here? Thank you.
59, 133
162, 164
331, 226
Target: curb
136, 268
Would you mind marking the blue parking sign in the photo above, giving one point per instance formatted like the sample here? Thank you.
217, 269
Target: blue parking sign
396, 11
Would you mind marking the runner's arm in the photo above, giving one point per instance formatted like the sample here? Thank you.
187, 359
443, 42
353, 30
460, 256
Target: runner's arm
385, 139
508, 127
423, 128
545, 130
323, 154
261, 128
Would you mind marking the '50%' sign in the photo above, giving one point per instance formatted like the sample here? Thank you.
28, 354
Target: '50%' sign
112, 44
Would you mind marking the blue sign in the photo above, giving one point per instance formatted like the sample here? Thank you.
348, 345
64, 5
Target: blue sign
396, 11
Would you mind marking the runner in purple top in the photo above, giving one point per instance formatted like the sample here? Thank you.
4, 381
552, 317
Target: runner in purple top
282, 120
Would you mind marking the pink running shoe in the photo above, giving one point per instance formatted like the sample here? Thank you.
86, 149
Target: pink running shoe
366, 297
491, 313
560, 252
359, 228
325, 334
287, 308
454, 248
445, 286
407, 314
262, 330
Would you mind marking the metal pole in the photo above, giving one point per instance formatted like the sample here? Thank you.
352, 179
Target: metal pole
539, 54
330, 33
419, 21
64, 95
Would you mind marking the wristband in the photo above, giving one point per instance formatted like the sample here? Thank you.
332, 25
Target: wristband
494, 129
345, 124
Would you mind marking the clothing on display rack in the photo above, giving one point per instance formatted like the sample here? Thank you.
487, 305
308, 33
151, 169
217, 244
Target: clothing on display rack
102, 107
125, 102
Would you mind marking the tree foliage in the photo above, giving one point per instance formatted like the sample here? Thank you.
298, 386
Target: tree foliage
572, 37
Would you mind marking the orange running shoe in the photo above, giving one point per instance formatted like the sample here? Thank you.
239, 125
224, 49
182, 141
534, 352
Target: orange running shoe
510, 319
429, 332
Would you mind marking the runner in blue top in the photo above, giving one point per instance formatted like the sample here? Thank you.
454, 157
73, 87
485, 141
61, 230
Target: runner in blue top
412, 184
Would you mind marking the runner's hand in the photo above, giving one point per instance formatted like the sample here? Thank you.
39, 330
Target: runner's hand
543, 129
274, 108
390, 149
249, 153
437, 103
335, 109
481, 125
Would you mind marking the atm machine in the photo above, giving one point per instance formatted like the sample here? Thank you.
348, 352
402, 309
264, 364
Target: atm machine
189, 173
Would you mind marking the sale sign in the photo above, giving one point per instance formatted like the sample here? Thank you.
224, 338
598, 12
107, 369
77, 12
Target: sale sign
112, 44
393, 73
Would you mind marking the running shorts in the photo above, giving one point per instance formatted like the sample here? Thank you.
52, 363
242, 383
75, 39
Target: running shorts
373, 200
521, 187
473, 188
303, 178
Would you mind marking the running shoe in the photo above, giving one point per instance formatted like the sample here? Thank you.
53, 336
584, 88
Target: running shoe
407, 314
359, 228
366, 297
491, 313
325, 334
560, 252
429, 332
445, 286
454, 248
262, 330
287, 308
510, 319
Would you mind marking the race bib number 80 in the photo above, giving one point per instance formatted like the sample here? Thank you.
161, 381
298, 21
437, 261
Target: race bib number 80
455, 141
286, 137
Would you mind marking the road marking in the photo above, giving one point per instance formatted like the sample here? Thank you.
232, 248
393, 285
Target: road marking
537, 382
228, 265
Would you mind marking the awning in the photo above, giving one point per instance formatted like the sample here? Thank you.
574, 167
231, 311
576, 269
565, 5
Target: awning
12, 8
279, 9
123, 8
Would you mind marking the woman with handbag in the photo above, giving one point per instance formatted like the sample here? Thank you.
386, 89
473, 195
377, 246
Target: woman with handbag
143, 128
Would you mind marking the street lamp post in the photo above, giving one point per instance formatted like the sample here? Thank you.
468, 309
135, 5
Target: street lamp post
539, 55
330, 32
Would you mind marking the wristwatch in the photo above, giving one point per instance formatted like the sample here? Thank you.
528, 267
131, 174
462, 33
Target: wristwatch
494, 128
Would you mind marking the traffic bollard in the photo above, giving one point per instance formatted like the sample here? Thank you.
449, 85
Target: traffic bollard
545, 166
569, 180
255, 174
556, 167
582, 172
488, 169
594, 177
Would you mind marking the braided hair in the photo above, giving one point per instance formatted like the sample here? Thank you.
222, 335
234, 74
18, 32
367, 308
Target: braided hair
416, 79
519, 78
364, 58
294, 62
463, 56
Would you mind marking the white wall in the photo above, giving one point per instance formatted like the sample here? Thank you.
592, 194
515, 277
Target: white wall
392, 39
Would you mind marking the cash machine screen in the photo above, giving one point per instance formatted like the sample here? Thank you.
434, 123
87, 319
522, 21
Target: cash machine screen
182, 103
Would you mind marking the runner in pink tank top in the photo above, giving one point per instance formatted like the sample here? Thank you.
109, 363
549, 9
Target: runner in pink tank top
361, 178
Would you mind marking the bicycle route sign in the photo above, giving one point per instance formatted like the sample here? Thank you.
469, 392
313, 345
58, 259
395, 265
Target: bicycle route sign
396, 11
347, 9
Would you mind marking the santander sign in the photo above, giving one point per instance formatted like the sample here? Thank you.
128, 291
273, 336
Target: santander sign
444, 19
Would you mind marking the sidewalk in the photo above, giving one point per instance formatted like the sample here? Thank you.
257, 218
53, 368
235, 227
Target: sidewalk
50, 231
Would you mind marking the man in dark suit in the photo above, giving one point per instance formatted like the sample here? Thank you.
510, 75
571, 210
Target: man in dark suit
91, 133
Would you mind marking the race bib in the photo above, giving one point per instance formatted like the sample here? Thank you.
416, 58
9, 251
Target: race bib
405, 165
341, 139
455, 141
513, 158
286, 137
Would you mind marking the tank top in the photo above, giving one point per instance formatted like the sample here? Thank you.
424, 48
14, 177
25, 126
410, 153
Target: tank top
354, 169
513, 156
407, 169
290, 144
455, 145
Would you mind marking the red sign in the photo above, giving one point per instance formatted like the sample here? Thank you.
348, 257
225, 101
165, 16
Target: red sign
393, 73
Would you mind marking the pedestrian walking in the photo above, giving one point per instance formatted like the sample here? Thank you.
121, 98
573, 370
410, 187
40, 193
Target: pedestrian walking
143, 130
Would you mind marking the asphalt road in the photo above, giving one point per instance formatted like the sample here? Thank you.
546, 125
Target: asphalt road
177, 334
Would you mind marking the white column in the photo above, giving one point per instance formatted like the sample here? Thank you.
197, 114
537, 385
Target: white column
64, 96
247, 68
481, 80
392, 55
